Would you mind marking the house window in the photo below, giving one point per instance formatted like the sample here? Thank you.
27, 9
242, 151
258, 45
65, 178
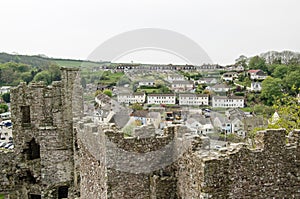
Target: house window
25, 114
63, 192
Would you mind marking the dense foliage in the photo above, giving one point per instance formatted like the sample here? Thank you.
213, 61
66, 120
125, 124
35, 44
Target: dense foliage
284, 72
12, 73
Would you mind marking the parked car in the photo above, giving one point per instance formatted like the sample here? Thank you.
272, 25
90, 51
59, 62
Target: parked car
8, 145
2, 144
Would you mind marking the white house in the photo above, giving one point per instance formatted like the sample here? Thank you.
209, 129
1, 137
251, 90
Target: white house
222, 124
201, 127
102, 99
5, 116
161, 99
193, 99
239, 68
208, 81
257, 74
154, 118
172, 78
182, 85
5, 89
220, 88
227, 102
255, 86
147, 83
229, 76
237, 126
131, 98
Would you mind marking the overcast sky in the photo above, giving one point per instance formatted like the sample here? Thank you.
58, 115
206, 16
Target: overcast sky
225, 29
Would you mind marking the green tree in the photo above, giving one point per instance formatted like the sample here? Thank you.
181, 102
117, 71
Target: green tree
43, 76
271, 90
3, 108
292, 80
257, 62
280, 71
242, 60
54, 72
136, 106
97, 92
288, 109
27, 76
107, 92
6, 97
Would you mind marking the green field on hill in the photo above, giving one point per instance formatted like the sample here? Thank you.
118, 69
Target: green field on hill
78, 63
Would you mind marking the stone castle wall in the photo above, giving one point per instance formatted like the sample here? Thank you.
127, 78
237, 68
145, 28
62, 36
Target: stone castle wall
269, 171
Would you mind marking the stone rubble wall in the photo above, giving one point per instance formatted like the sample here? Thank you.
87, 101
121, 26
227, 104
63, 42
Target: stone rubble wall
269, 171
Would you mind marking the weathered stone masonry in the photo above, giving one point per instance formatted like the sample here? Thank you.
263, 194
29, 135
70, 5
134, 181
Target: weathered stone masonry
61, 154
43, 163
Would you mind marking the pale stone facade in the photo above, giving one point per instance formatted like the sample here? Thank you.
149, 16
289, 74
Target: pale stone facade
131, 98
228, 102
185, 85
161, 99
191, 99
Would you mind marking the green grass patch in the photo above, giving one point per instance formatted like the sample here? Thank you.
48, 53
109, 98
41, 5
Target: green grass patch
247, 83
247, 109
149, 90
78, 63
1, 196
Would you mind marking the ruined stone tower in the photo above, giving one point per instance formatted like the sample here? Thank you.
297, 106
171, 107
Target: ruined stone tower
43, 134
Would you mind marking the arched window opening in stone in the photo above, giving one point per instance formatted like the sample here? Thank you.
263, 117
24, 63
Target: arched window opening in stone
33, 151
25, 110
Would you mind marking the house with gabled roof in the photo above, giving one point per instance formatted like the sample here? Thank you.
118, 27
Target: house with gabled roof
175, 77
181, 86
220, 88
255, 86
257, 74
230, 76
237, 126
208, 80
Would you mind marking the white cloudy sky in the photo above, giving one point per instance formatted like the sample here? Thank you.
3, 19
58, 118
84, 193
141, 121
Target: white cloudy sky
225, 29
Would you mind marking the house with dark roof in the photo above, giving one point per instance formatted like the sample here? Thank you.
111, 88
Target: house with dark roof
229, 76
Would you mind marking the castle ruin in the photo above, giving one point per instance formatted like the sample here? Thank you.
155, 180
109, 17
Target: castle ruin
60, 153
